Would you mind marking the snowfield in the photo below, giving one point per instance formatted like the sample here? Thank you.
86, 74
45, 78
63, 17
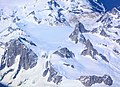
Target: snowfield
58, 43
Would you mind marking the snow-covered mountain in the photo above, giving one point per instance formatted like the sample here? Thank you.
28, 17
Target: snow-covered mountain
59, 43
104, 5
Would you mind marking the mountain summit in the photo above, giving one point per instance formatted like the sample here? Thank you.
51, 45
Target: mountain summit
104, 5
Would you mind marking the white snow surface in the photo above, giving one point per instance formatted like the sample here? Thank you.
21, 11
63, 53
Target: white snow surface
51, 38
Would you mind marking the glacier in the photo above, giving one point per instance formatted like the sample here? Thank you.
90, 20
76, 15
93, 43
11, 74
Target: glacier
58, 43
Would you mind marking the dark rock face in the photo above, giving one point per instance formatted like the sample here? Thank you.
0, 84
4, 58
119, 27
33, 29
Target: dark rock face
57, 79
89, 50
28, 58
79, 29
74, 35
107, 80
89, 45
90, 80
65, 53
86, 80
53, 75
103, 33
95, 30
104, 58
45, 72
82, 39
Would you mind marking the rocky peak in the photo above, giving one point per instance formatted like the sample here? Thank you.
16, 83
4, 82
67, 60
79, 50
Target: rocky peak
79, 29
28, 59
64, 52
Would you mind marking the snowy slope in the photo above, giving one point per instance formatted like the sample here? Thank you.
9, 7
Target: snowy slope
58, 43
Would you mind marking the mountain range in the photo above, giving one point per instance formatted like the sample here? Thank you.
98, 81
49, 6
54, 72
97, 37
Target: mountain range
59, 43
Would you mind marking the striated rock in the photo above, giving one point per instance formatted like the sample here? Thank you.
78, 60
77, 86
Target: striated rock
90, 80
89, 45
92, 52
64, 52
28, 59
53, 75
89, 50
74, 35
79, 29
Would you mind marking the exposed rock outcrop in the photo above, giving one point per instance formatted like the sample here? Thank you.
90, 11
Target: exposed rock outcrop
65, 53
82, 39
104, 58
53, 75
107, 80
103, 33
89, 50
28, 59
79, 29
90, 80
